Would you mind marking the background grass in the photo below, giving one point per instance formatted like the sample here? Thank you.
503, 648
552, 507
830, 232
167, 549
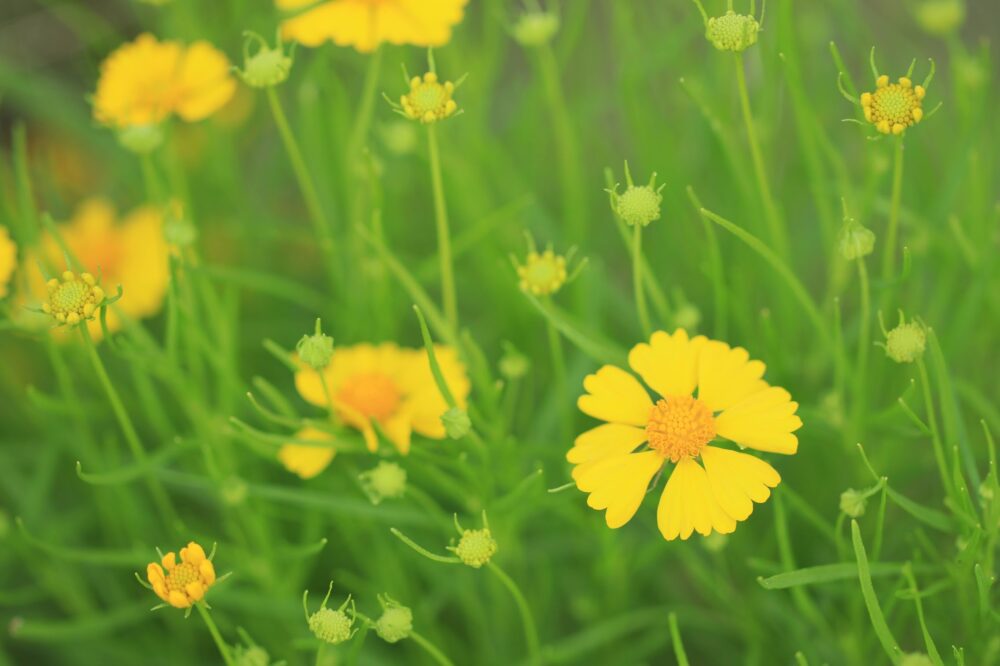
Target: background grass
623, 80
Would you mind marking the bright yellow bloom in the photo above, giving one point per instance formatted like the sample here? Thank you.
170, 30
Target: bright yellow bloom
732, 402
893, 106
542, 274
184, 583
8, 260
387, 385
307, 461
429, 100
364, 24
145, 81
73, 298
133, 254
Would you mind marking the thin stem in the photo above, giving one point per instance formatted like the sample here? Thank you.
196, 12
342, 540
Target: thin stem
160, 497
770, 209
530, 630
431, 649
363, 118
559, 371
637, 284
864, 333
939, 454
449, 301
675, 638
319, 653
321, 225
889, 253
216, 636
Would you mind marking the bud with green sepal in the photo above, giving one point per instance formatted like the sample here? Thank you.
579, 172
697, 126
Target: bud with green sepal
906, 342
315, 350
267, 67
732, 32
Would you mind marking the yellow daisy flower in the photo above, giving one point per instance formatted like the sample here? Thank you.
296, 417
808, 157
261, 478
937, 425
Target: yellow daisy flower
8, 260
307, 461
388, 385
145, 81
184, 583
133, 254
732, 402
364, 24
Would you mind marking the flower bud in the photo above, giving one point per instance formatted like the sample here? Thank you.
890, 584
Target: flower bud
852, 503
476, 547
905, 343
940, 17
267, 67
234, 491
687, 317
395, 623
915, 659
715, 542
855, 241
456, 423
386, 480
429, 100
253, 655
638, 204
178, 230
331, 626
399, 137
315, 350
73, 298
732, 32
141, 139
536, 28
513, 364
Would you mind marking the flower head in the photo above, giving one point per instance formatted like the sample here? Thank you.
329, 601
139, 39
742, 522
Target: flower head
386, 385
8, 260
536, 28
73, 298
638, 204
906, 342
396, 621
915, 659
364, 24
386, 480
940, 17
475, 547
893, 107
856, 241
429, 100
268, 66
707, 390
315, 350
731, 31
542, 274
145, 81
328, 625
183, 583
852, 502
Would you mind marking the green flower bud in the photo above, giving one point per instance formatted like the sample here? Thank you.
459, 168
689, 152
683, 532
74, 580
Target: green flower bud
233, 491
715, 542
905, 343
253, 655
267, 67
940, 17
178, 230
732, 32
386, 480
856, 241
396, 622
331, 626
916, 659
456, 423
687, 317
536, 28
400, 137
141, 139
513, 364
315, 350
476, 547
852, 503
638, 204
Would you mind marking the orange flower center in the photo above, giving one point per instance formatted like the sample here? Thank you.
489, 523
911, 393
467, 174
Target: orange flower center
181, 576
374, 395
680, 427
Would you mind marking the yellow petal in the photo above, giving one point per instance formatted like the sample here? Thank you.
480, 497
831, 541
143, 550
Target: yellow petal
605, 441
764, 421
398, 430
425, 403
616, 396
738, 480
307, 461
618, 484
207, 571
193, 553
195, 590
726, 375
169, 561
669, 363
154, 573
178, 599
687, 505
204, 83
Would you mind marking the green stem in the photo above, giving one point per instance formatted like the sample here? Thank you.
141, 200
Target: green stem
770, 209
319, 653
431, 649
321, 225
559, 371
675, 638
864, 333
216, 636
939, 454
885, 636
530, 630
363, 118
640, 295
449, 302
889, 253
128, 429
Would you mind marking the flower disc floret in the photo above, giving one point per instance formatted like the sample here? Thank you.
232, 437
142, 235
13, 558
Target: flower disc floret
638, 205
732, 31
476, 547
906, 343
893, 106
331, 626
182, 584
73, 298
386, 480
395, 624
429, 100
542, 274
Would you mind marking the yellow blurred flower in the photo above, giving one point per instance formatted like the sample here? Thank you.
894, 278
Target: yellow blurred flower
364, 24
133, 254
8, 260
307, 461
145, 81
184, 583
733, 402
389, 386
893, 106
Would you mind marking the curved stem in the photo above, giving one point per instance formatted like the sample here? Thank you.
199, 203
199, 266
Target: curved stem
363, 119
770, 209
160, 497
216, 636
637, 284
449, 302
864, 332
431, 649
889, 253
939, 454
530, 630
321, 225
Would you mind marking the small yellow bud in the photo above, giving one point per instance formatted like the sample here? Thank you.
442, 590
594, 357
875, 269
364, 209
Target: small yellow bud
74, 298
428, 100
476, 547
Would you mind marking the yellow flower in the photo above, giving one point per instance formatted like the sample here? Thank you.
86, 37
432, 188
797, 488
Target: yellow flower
542, 274
732, 402
145, 81
388, 385
429, 100
133, 254
184, 583
74, 298
364, 24
8, 260
307, 461
893, 106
